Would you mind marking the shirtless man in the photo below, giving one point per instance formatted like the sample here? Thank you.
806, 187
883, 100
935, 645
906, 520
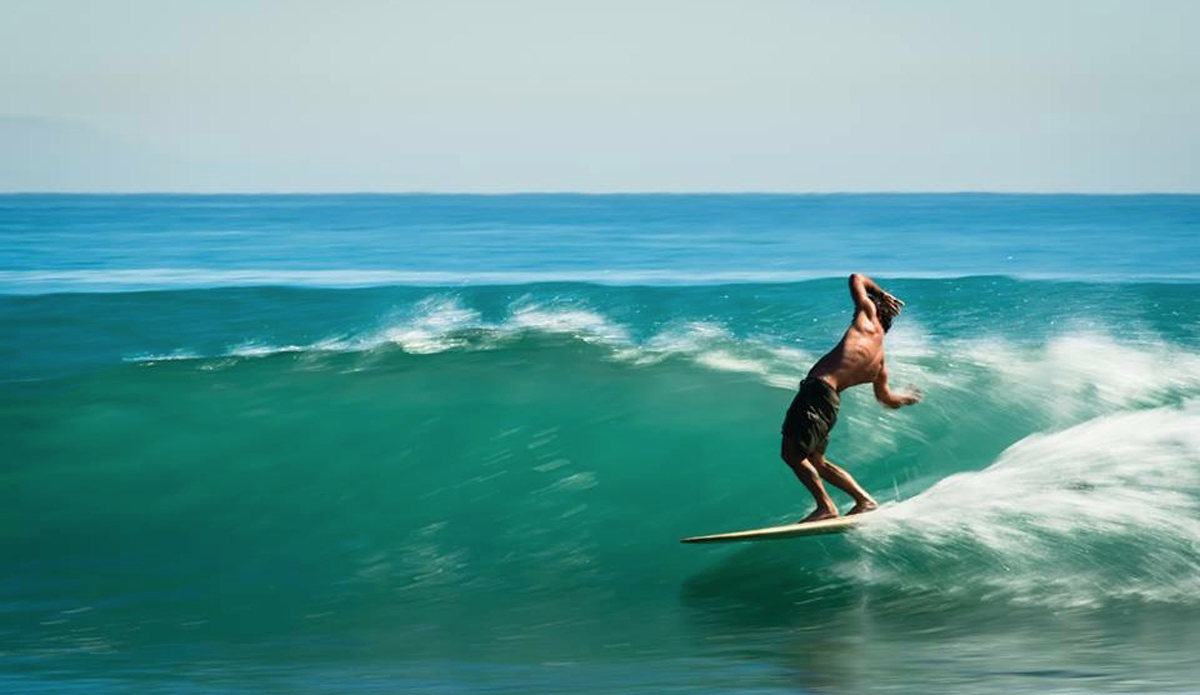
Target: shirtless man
858, 359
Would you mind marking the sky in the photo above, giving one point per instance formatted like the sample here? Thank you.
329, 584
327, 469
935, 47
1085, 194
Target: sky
613, 96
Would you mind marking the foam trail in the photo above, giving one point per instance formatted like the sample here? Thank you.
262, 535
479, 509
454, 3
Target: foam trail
172, 356
1105, 510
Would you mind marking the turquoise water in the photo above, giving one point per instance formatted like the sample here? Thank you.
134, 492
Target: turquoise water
448, 444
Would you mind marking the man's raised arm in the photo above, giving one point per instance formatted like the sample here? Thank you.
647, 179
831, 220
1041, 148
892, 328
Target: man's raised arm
861, 288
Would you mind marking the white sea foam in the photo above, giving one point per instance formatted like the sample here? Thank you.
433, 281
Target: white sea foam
256, 349
433, 327
684, 339
1082, 372
724, 361
581, 323
165, 357
1108, 509
711, 345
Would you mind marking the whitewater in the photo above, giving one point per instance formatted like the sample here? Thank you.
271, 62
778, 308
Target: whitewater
449, 444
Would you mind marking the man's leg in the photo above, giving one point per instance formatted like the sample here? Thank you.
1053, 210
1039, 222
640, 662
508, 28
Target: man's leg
808, 475
843, 481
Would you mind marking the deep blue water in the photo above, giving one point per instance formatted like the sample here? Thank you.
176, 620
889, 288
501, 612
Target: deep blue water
693, 238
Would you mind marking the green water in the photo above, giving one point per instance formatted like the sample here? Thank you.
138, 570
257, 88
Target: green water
483, 490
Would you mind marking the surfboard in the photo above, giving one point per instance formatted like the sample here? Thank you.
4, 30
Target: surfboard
813, 528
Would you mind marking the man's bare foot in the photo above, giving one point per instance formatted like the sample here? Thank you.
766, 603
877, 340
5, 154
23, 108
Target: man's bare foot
820, 515
867, 505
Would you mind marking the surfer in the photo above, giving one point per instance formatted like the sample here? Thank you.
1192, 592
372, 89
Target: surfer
857, 359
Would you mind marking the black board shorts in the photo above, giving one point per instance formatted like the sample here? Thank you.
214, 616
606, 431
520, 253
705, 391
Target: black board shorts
811, 415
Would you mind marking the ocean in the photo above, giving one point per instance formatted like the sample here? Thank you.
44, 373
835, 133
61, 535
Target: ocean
448, 444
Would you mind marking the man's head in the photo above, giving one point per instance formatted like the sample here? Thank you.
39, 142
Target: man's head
885, 311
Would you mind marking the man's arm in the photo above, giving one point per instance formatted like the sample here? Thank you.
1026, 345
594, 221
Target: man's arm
889, 399
861, 287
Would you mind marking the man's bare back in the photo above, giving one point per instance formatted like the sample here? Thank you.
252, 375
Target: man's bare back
857, 359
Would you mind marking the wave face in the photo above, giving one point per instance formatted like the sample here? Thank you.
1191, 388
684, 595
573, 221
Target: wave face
458, 487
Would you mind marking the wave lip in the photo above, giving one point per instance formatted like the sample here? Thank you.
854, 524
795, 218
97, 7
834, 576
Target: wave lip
442, 323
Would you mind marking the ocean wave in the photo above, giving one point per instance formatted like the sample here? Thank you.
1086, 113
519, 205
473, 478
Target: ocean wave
1076, 373
29, 281
1052, 383
443, 323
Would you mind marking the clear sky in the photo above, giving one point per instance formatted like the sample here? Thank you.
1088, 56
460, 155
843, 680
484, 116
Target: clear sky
612, 95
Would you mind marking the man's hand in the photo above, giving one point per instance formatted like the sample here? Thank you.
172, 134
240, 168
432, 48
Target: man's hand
893, 400
887, 299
